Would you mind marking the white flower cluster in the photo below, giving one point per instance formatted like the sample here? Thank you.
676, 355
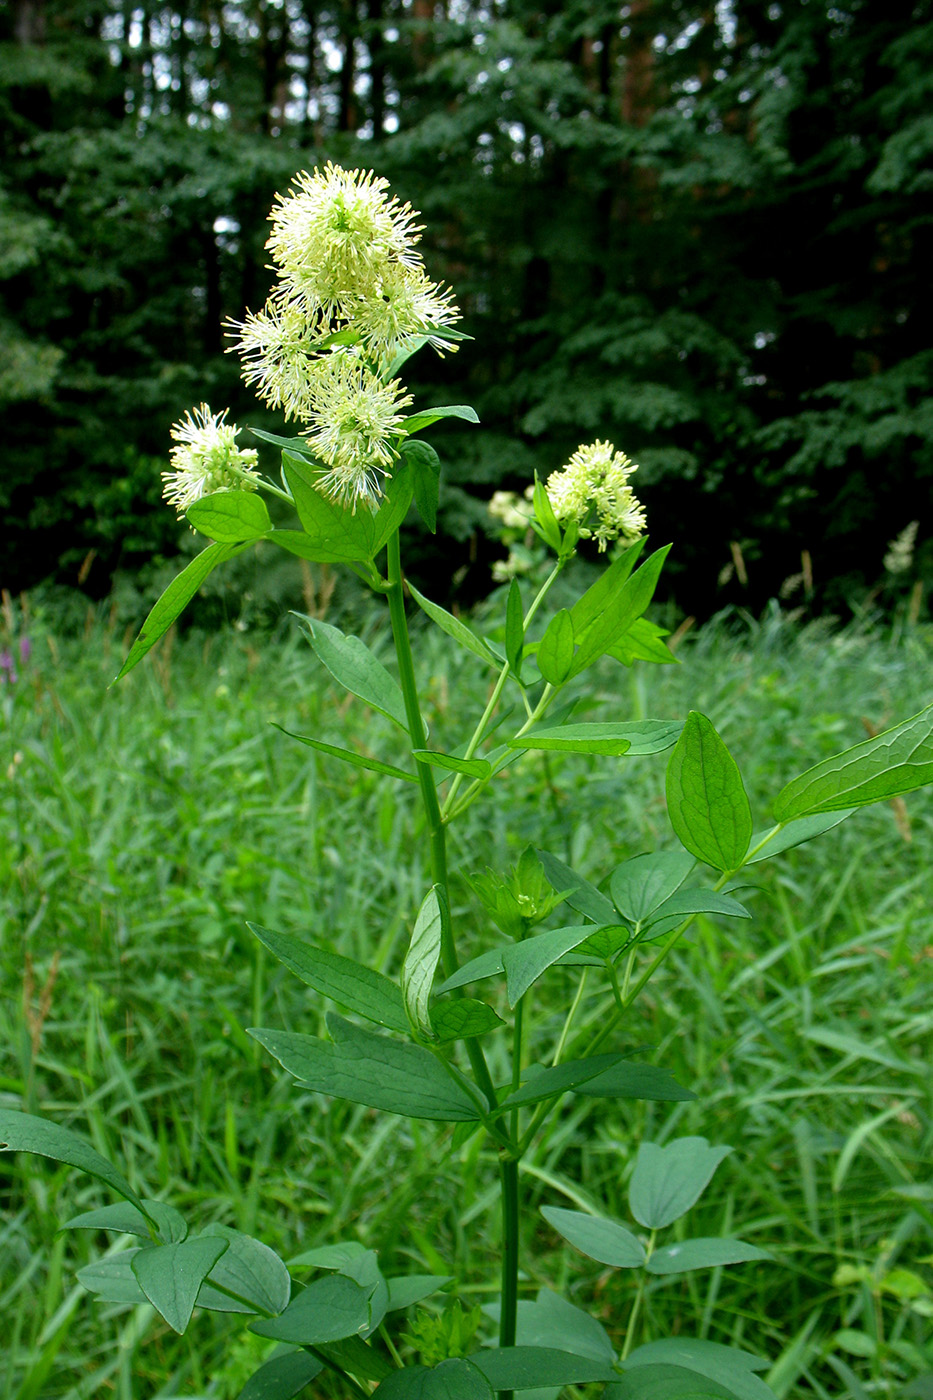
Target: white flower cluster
207, 459
593, 489
351, 294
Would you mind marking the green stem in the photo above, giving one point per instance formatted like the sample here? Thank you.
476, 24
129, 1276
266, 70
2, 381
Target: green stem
636, 1306
508, 1317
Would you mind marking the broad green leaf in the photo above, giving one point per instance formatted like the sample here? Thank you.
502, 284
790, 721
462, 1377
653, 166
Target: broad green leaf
667, 1383
544, 517
603, 943
283, 1377
546, 1081
555, 649
425, 469
597, 1237
337, 535
174, 601
703, 1254
352, 985
421, 960
528, 1368
472, 767
330, 1256
600, 596
371, 1069
895, 762
127, 1220
525, 962
365, 1270
641, 884
638, 738
171, 1276
667, 1181
476, 970
394, 507
230, 516
693, 901
356, 1356
462, 1020
326, 1311
515, 628
357, 760
453, 627
550, 1320
706, 799
728, 1366
112, 1279
408, 1289
23, 1132
298, 445
627, 603
630, 1080
581, 895
784, 838
353, 665
248, 1268
427, 416
644, 641
456, 1379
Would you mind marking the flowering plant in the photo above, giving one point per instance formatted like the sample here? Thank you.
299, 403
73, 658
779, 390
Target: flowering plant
352, 303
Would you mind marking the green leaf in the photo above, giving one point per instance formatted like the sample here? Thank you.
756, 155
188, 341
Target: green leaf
371, 1069
627, 603
706, 799
525, 962
784, 838
728, 1366
230, 516
550, 1320
171, 1276
693, 901
298, 445
394, 507
356, 1356
248, 1268
597, 1237
409, 1289
546, 1082
473, 767
703, 1254
667, 1181
336, 534
283, 1377
545, 518
641, 884
581, 895
456, 1379
601, 595
330, 1256
515, 628
555, 649
529, 1368
421, 960
667, 1383
464, 1019
427, 416
488, 964
353, 665
895, 762
644, 641
352, 985
630, 1080
638, 738
426, 470
358, 760
453, 627
326, 1311
112, 1279
364, 1269
174, 601
23, 1132
127, 1220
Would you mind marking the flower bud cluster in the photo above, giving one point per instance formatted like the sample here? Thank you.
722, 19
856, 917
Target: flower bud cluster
593, 490
206, 459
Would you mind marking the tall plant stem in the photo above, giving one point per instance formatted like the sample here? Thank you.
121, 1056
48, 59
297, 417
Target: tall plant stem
508, 1315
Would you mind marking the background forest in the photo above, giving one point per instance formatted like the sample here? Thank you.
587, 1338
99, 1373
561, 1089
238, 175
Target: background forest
701, 230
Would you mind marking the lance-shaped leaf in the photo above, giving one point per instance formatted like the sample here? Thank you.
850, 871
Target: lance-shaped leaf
547, 1081
472, 767
283, 1377
353, 985
554, 654
667, 1181
427, 416
171, 1276
667, 1383
515, 628
597, 1237
230, 516
250, 1270
296, 445
175, 599
485, 965
580, 894
421, 960
641, 884
783, 838
356, 760
462, 1020
630, 1080
601, 595
24, 1132
525, 962
112, 1279
353, 665
338, 535
703, 1254
408, 1289
706, 799
895, 762
728, 1366
425, 469
693, 901
454, 628
532, 1368
125, 1219
394, 506
626, 604
640, 737
545, 521
644, 641
326, 1311
372, 1069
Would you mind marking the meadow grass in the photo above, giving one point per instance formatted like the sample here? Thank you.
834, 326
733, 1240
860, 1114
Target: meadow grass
143, 825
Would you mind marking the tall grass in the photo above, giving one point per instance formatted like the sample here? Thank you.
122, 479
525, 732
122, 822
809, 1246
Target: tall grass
142, 826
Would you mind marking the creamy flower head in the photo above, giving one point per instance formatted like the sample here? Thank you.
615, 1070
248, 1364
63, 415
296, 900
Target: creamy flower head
207, 459
354, 427
513, 510
593, 489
